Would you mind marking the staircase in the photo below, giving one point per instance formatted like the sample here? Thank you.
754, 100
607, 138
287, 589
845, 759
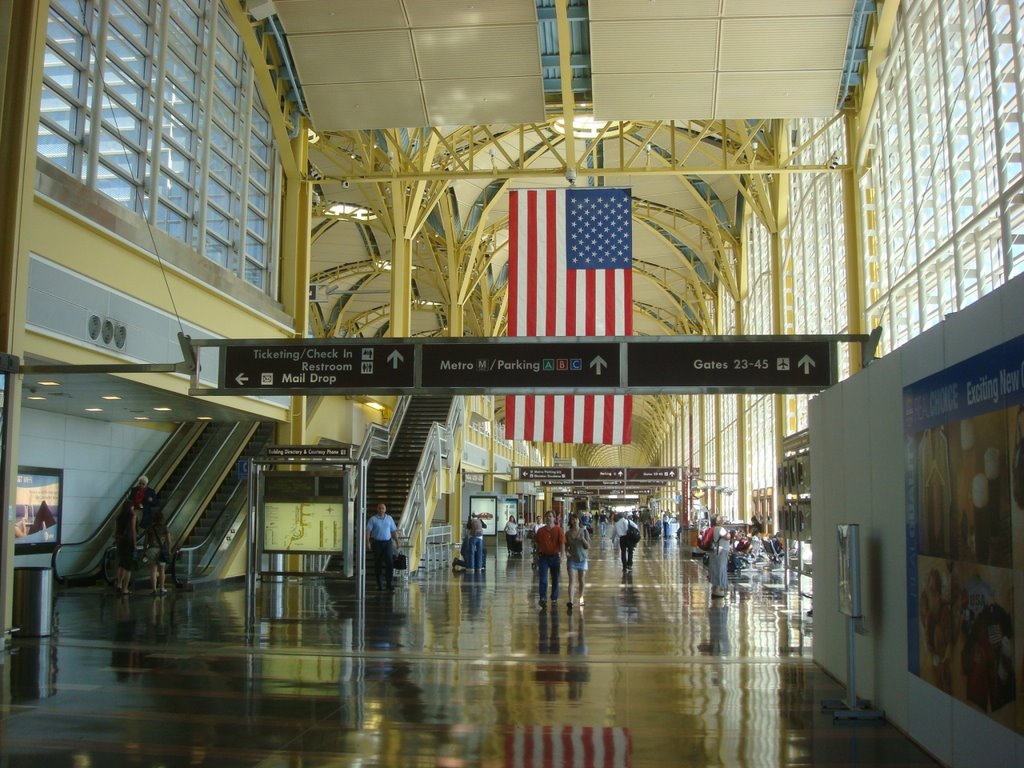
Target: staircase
390, 479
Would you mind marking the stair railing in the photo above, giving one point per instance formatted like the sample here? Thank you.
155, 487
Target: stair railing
439, 461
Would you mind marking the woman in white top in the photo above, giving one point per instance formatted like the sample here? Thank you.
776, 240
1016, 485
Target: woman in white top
577, 542
515, 546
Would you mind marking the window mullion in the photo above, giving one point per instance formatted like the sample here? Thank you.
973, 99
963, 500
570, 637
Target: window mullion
152, 184
96, 123
204, 153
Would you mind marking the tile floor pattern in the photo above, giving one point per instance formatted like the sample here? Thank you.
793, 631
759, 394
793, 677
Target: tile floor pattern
448, 671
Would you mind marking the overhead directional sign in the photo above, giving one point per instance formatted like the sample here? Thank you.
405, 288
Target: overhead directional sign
302, 366
599, 475
775, 363
545, 473
618, 365
514, 366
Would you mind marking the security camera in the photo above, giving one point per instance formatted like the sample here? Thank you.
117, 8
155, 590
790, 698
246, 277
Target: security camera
570, 175
345, 184
833, 161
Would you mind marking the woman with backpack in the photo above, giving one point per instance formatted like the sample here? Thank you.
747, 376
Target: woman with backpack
718, 560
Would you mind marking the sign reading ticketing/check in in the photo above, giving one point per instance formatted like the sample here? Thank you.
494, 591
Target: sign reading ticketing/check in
647, 365
286, 367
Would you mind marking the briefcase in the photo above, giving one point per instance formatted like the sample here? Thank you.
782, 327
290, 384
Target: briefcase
401, 562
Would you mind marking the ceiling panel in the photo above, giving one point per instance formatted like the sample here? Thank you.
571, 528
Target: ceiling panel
461, 13
781, 44
777, 94
603, 10
494, 100
339, 107
505, 51
680, 45
760, 8
301, 16
354, 57
654, 97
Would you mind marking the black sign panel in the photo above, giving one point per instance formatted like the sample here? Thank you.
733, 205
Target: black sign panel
508, 367
285, 368
790, 366
652, 474
598, 473
545, 473
309, 454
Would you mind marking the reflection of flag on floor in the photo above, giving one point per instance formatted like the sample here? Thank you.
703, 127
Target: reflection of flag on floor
554, 746
570, 274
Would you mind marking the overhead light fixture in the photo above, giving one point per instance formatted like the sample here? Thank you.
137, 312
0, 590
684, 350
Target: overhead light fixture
161, 408
586, 127
94, 410
141, 418
375, 405
35, 397
110, 397
49, 383
349, 211
204, 418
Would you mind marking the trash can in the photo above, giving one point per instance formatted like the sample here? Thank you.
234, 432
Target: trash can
33, 602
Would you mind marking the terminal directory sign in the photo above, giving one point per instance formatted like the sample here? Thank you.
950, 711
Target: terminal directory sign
508, 367
311, 366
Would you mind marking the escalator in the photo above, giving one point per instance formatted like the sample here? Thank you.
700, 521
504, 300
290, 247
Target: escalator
187, 474
205, 548
82, 562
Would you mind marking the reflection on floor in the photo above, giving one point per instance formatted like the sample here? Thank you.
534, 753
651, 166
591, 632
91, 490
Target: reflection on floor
449, 670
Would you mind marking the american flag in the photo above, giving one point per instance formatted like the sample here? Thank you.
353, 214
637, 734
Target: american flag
570, 274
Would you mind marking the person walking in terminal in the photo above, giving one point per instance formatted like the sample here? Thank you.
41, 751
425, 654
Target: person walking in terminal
628, 535
550, 547
382, 538
718, 561
577, 542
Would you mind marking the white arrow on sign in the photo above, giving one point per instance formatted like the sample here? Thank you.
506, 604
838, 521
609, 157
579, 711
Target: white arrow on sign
241, 379
598, 364
806, 362
396, 358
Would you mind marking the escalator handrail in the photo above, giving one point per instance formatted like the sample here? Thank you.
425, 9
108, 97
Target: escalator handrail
160, 467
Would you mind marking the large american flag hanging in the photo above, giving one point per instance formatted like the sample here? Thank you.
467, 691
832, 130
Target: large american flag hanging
570, 274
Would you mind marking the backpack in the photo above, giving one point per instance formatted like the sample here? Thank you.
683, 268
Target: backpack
706, 540
632, 536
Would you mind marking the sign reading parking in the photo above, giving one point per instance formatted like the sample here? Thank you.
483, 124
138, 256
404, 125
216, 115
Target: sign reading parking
617, 365
290, 367
733, 365
511, 367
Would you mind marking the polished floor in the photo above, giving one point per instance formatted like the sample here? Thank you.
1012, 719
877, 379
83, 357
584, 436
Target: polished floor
449, 670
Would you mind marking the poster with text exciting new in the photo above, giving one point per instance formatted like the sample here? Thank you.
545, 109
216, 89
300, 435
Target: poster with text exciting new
964, 432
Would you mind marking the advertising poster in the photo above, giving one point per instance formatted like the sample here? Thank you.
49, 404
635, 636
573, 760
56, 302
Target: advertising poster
37, 510
964, 432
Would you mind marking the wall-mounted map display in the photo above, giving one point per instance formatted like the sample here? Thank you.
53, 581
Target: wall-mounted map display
302, 512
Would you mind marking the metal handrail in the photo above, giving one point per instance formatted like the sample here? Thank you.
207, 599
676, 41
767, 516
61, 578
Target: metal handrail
93, 548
